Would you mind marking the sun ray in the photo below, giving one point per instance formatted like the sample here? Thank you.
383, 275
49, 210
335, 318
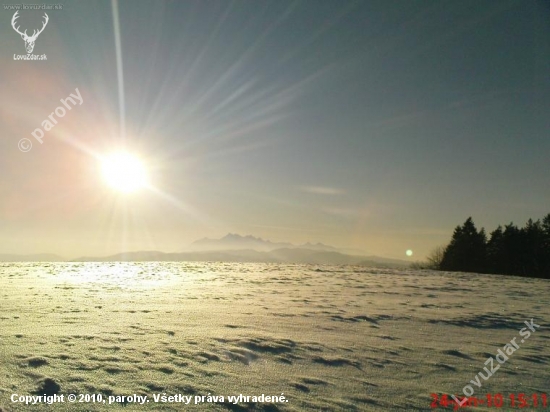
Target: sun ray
119, 69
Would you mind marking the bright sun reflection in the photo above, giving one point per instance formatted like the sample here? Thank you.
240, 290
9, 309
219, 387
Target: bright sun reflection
124, 172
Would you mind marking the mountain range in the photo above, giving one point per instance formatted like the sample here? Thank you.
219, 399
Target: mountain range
236, 248
233, 241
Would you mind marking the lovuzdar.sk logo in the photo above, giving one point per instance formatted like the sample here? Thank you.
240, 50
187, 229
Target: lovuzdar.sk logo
29, 40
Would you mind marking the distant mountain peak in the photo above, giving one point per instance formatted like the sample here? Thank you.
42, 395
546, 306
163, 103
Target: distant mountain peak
235, 241
236, 236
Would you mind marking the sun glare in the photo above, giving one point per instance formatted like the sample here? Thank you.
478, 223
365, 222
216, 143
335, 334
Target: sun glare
409, 252
124, 172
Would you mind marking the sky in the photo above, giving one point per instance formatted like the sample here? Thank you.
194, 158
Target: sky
377, 126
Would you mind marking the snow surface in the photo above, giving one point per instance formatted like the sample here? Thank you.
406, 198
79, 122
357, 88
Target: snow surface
330, 338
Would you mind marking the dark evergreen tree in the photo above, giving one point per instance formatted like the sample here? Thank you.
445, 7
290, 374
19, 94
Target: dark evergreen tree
512, 244
467, 251
496, 252
546, 247
452, 251
531, 252
510, 251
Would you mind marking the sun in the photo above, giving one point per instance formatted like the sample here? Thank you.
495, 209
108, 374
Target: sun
409, 252
124, 172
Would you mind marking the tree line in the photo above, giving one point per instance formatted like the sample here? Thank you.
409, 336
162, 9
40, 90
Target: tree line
508, 250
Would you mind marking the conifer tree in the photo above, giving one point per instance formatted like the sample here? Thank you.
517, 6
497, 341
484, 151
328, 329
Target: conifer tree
467, 251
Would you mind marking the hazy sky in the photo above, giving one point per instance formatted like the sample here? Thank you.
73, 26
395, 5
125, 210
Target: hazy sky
374, 125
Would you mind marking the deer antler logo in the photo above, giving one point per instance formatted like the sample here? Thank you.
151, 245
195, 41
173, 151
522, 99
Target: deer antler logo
29, 40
